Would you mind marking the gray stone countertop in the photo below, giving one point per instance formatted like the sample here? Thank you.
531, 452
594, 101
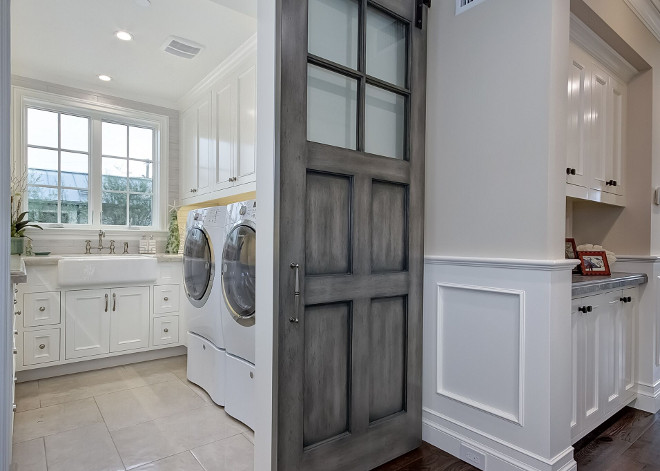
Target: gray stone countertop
587, 285
42, 260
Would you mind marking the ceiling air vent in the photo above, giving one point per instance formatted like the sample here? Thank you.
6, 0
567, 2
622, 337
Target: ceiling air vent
182, 47
463, 5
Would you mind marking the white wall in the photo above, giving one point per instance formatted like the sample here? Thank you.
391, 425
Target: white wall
268, 239
495, 159
6, 311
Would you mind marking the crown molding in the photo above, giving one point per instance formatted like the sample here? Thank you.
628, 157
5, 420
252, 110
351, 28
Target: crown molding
648, 11
582, 36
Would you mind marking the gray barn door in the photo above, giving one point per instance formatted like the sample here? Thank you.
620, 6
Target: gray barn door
351, 233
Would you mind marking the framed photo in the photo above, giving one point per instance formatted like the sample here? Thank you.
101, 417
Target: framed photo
571, 248
594, 263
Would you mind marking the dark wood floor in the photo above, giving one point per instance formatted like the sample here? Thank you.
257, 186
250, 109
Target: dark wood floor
628, 442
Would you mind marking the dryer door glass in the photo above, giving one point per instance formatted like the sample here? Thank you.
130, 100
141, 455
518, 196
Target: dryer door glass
238, 272
197, 264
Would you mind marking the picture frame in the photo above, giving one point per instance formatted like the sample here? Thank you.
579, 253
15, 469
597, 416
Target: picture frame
594, 263
571, 252
570, 249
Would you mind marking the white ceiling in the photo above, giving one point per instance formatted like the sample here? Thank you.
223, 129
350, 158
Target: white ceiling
71, 42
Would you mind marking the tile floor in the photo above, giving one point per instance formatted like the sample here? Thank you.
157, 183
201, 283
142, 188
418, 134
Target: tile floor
145, 416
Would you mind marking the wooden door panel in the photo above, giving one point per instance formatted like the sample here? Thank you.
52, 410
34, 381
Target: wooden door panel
387, 357
328, 219
351, 257
326, 381
389, 227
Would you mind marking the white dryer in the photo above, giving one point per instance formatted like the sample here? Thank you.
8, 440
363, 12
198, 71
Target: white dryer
205, 230
238, 319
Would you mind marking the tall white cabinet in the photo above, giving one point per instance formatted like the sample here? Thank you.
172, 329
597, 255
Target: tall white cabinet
596, 131
218, 131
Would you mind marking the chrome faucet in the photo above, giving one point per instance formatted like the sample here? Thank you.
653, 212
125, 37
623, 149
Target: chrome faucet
101, 236
112, 246
88, 247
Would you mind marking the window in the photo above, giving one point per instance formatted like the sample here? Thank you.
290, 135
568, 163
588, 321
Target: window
127, 174
90, 165
58, 167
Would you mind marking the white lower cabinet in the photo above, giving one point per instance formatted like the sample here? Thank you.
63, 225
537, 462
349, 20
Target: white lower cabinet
55, 326
41, 346
604, 351
166, 330
87, 322
129, 318
102, 321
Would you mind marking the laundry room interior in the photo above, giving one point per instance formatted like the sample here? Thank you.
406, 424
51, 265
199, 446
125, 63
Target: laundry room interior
134, 152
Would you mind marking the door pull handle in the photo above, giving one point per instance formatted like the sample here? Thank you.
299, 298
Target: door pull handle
106, 302
114, 302
296, 293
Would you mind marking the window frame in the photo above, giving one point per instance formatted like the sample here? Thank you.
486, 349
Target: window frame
97, 112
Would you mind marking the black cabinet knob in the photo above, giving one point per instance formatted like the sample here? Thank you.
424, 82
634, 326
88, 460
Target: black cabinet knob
613, 182
585, 309
568, 171
628, 299
572, 171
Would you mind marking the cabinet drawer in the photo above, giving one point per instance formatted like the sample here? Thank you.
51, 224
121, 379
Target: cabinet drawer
42, 346
41, 309
166, 330
166, 299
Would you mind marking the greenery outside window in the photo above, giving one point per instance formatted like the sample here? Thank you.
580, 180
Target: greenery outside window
90, 165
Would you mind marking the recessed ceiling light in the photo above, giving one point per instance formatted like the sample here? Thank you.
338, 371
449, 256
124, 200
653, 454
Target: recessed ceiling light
105, 78
124, 35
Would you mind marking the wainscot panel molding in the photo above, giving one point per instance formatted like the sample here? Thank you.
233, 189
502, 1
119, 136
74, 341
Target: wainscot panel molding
513, 263
648, 330
497, 360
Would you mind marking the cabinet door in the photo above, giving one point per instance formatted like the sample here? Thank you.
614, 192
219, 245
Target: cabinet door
205, 146
247, 119
578, 106
628, 358
87, 322
577, 369
225, 129
610, 346
589, 361
129, 319
188, 154
598, 125
616, 134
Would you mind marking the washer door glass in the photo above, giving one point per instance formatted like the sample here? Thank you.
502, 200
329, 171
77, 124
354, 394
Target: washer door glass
238, 274
197, 265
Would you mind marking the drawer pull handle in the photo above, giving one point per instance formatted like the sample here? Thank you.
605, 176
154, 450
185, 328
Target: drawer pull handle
166, 330
18, 313
15, 301
42, 346
42, 309
585, 309
166, 298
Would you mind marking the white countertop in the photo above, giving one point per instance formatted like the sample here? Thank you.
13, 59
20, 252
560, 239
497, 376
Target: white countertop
40, 260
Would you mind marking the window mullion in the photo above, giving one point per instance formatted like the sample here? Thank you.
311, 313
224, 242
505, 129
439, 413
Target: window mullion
95, 179
362, 68
59, 168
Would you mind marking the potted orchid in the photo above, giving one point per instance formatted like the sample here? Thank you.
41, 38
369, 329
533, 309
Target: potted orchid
19, 221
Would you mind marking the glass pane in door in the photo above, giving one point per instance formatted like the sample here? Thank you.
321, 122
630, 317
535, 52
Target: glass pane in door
331, 108
386, 48
385, 123
336, 19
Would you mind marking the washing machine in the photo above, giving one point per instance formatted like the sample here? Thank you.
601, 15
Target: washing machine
238, 319
205, 232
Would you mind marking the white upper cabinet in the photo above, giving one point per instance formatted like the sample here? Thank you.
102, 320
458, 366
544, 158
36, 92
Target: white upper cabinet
595, 141
218, 131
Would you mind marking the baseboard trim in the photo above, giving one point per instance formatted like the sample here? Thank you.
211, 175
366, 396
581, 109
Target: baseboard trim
647, 402
496, 460
98, 364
